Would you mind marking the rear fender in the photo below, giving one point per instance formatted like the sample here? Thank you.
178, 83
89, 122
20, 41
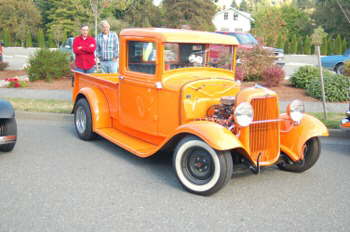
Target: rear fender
217, 136
98, 105
293, 137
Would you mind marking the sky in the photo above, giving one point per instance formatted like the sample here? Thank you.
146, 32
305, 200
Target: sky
156, 2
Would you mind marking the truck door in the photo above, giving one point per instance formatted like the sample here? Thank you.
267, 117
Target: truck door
138, 107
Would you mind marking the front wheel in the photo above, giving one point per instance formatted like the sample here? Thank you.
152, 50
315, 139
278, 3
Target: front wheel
312, 150
83, 120
199, 168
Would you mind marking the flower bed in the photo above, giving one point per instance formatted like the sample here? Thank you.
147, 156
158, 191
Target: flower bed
14, 82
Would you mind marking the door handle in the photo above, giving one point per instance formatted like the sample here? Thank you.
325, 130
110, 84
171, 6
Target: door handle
121, 77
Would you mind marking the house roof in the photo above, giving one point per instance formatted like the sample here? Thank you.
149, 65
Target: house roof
231, 9
180, 35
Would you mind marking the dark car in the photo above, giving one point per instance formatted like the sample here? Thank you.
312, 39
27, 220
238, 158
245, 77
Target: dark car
248, 41
67, 47
8, 127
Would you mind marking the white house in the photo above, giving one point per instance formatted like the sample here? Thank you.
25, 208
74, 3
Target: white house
232, 20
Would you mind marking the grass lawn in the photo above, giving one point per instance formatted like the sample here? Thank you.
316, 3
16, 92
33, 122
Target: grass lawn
41, 105
333, 119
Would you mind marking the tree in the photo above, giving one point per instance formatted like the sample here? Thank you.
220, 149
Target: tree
307, 45
280, 41
286, 47
66, 16
6, 37
285, 20
338, 22
19, 17
324, 46
244, 6
338, 45
41, 38
345, 45
29, 41
195, 13
293, 49
300, 48
143, 14
268, 21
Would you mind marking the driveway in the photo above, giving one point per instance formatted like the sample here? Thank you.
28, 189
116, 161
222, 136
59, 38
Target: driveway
53, 181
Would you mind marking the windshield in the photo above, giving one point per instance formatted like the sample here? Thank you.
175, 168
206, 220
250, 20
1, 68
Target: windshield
183, 55
246, 39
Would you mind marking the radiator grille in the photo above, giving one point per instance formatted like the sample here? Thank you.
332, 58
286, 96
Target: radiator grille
264, 132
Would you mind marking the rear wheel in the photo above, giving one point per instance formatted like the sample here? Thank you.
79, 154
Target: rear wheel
9, 128
312, 150
83, 120
199, 168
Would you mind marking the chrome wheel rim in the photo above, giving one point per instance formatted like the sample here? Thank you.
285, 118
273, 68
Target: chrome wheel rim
80, 120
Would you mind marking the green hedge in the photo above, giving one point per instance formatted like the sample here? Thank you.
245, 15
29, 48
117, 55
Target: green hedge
47, 65
302, 77
336, 87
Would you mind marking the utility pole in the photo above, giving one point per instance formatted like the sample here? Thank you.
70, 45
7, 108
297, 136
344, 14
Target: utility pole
317, 38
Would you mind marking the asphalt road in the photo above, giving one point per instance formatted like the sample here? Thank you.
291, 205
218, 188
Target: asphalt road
53, 181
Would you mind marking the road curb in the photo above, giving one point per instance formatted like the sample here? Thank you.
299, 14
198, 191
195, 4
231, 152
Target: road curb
44, 116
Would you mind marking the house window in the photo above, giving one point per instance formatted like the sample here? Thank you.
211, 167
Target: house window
235, 16
225, 16
142, 57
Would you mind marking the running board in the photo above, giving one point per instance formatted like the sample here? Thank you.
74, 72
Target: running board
132, 144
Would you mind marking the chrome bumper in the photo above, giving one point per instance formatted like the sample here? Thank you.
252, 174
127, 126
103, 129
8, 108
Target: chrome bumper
7, 139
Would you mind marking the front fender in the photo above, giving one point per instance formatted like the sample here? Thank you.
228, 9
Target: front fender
217, 136
6, 110
294, 137
99, 107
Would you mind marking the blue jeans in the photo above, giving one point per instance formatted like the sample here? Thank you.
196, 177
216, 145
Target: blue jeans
109, 66
92, 70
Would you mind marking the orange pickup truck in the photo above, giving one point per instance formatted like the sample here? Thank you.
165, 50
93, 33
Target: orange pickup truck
176, 92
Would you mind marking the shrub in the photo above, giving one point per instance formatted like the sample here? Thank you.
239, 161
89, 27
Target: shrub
239, 74
272, 76
347, 68
336, 88
302, 77
3, 66
48, 65
254, 61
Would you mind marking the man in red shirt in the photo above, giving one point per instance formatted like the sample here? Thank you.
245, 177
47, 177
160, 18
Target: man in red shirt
84, 47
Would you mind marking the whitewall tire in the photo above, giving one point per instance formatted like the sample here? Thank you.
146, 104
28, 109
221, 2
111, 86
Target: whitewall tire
199, 168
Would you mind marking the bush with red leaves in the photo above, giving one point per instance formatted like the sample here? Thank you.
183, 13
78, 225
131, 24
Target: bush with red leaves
239, 74
272, 76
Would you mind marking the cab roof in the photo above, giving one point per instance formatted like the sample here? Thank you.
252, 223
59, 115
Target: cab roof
180, 35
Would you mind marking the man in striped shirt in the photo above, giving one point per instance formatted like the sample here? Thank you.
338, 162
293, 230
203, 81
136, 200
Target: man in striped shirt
107, 49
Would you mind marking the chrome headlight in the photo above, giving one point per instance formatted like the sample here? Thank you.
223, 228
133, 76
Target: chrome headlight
296, 110
243, 114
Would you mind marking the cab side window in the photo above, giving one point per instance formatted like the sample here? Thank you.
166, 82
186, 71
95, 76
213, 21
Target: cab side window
142, 57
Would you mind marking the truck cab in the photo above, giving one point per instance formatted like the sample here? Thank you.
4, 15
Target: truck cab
176, 91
